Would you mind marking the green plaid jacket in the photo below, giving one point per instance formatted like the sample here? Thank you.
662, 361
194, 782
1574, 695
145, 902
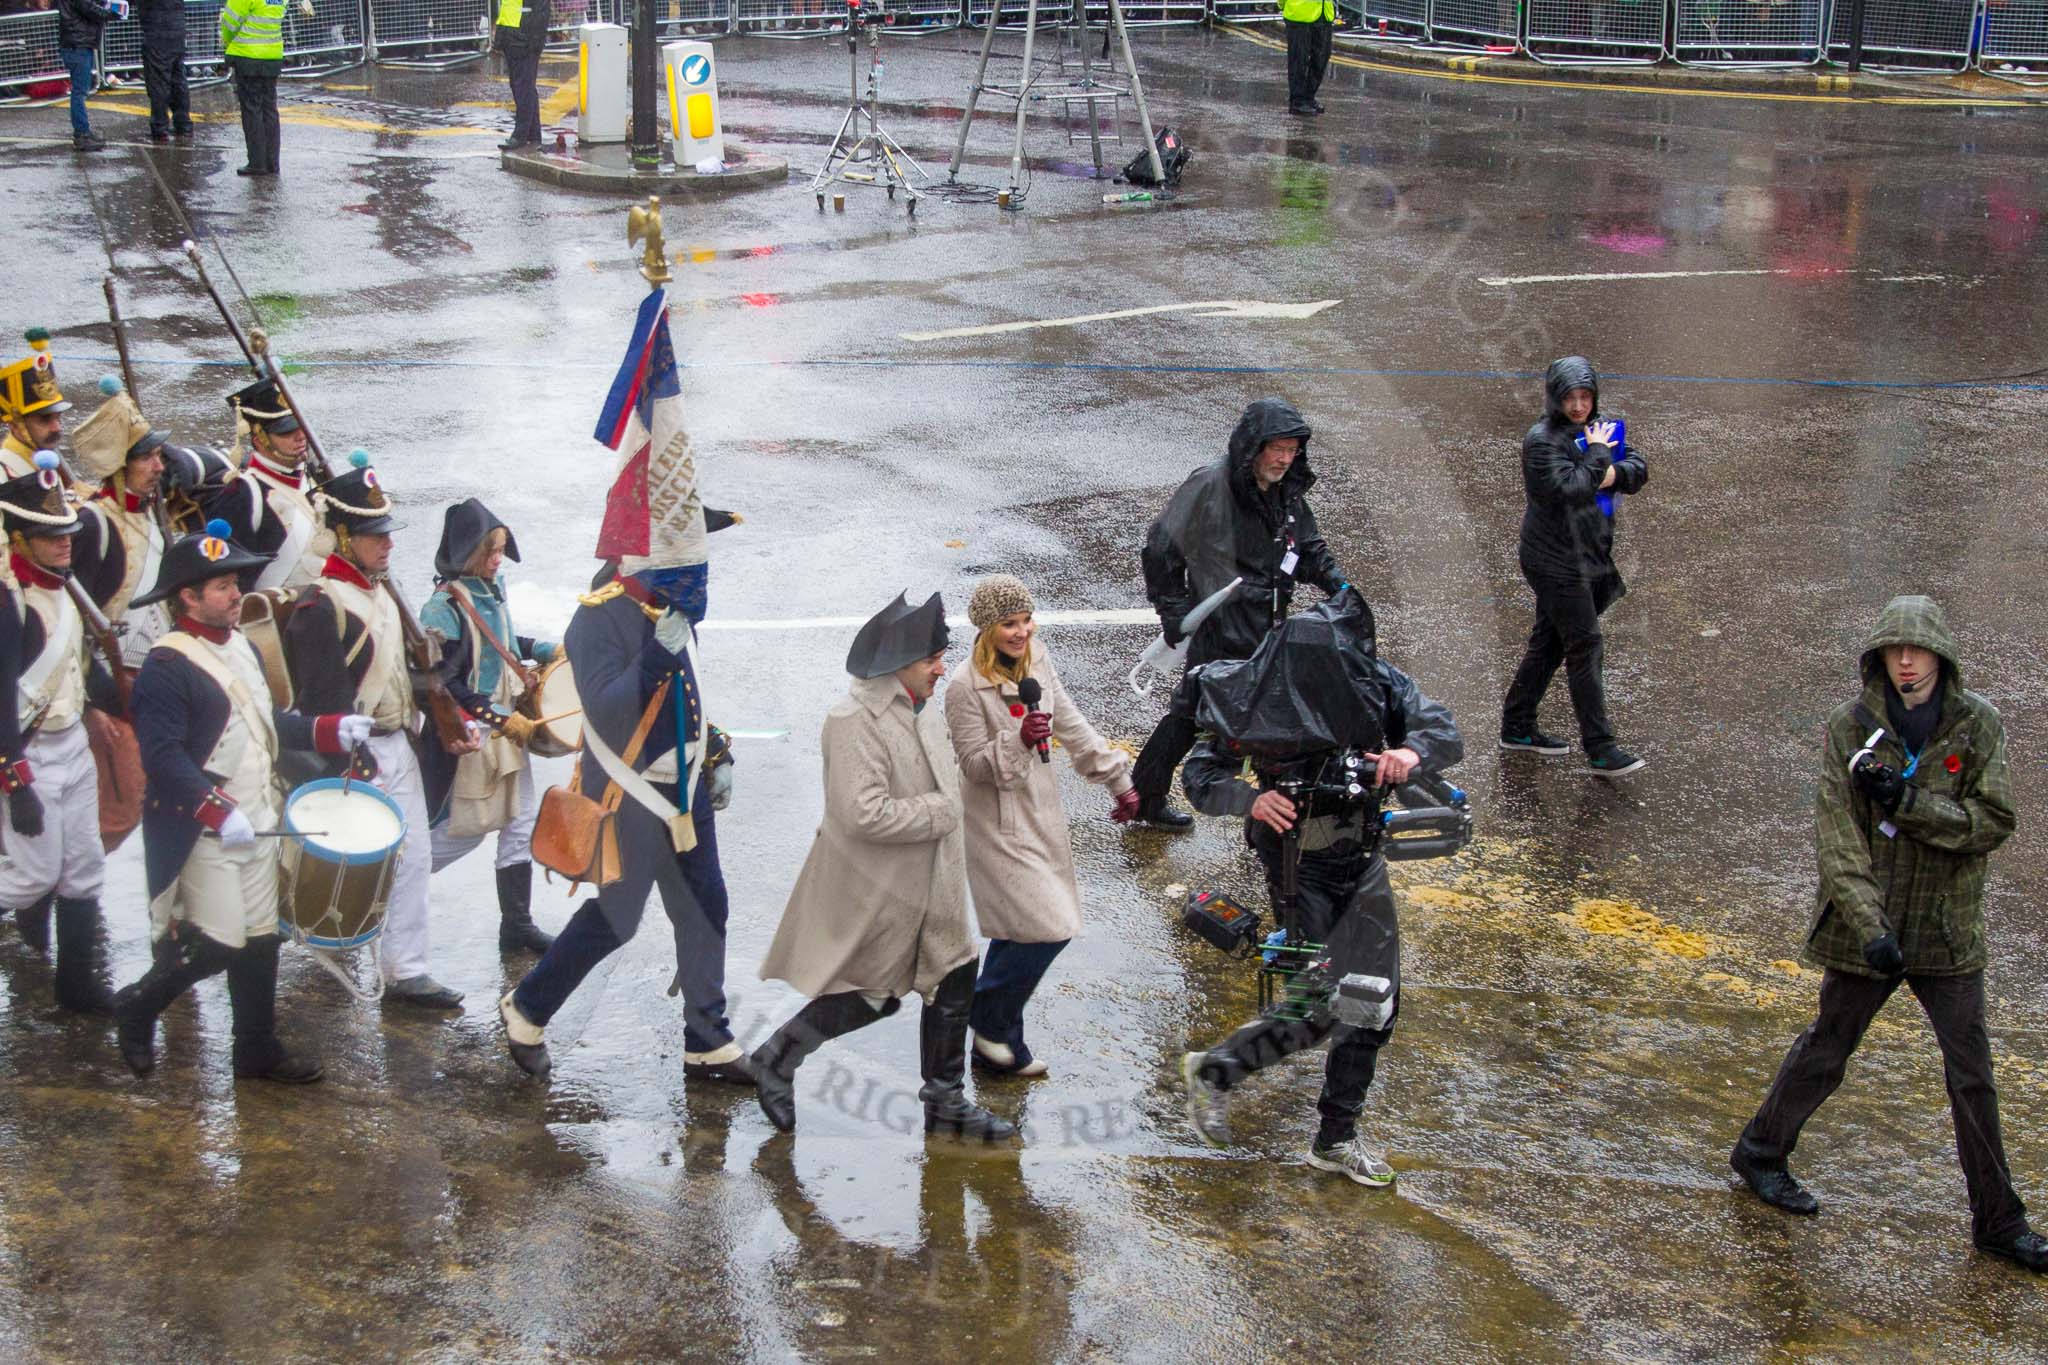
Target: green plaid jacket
1925, 883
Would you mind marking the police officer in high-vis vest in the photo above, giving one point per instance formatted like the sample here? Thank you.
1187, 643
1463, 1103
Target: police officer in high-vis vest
522, 32
252, 33
1309, 25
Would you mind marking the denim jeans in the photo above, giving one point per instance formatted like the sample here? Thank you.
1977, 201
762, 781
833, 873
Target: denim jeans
78, 61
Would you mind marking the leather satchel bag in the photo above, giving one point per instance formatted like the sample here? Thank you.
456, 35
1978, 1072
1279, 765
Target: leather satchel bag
579, 837
118, 757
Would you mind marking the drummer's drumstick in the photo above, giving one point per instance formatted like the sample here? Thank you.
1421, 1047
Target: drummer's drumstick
550, 720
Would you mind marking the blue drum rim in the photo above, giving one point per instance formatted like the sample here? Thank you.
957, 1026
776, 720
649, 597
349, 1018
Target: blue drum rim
339, 944
318, 850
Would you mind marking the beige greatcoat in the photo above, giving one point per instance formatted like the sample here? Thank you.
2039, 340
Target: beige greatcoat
1020, 860
881, 904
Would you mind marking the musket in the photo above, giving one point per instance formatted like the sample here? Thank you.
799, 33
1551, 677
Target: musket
103, 634
158, 510
450, 725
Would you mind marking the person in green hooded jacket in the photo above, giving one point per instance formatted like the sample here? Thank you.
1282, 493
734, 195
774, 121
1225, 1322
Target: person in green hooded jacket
1914, 794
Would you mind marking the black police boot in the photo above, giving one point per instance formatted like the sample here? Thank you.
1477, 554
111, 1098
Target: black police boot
1772, 1183
33, 923
516, 930
180, 963
1159, 815
252, 991
2029, 1249
823, 1019
942, 1044
81, 974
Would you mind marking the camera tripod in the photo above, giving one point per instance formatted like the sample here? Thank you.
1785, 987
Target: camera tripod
1087, 91
863, 152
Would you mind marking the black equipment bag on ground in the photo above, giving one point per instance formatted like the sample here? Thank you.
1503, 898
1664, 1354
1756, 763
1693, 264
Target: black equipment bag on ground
1173, 159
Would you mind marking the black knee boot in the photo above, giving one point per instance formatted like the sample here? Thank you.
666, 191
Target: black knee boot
775, 1061
81, 975
183, 959
252, 990
942, 1040
516, 930
33, 922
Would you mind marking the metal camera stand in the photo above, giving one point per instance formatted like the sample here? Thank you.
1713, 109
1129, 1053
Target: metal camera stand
872, 157
1087, 92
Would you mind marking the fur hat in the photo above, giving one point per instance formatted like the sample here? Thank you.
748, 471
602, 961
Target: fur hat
995, 597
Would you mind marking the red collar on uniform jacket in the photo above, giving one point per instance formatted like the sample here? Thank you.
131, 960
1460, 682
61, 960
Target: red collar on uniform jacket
117, 488
337, 567
290, 478
31, 574
217, 634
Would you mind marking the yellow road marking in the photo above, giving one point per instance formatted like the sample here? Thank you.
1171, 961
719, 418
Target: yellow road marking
1534, 82
560, 101
301, 116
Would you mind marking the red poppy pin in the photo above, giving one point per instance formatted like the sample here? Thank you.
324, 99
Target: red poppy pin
1953, 763
1016, 708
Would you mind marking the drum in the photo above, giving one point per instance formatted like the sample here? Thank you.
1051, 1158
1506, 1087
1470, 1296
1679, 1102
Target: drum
557, 704
338, 877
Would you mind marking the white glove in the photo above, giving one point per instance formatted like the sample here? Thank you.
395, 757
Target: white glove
236, 831
1600, 434
672, 632
353, 730
721, 786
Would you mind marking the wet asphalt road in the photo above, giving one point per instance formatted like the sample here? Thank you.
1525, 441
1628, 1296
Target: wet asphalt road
1599, 989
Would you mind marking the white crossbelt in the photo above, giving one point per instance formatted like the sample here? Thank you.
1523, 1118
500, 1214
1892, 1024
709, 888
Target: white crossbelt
682, 829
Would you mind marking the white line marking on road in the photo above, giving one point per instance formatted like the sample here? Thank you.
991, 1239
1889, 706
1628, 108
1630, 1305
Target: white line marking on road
1503, 281
1215, 308
1113, 616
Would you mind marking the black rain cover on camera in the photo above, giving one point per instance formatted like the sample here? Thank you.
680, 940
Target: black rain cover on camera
1313, 685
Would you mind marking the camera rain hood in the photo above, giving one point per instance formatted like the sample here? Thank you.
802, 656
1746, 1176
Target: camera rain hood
1312, 686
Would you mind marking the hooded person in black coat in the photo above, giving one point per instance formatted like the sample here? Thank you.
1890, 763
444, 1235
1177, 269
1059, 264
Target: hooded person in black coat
1574, 464
1246, 516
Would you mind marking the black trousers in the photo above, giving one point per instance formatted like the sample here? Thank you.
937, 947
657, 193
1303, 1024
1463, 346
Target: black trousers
1814, 1068
256, 92
163, 76
1567, 631
1308, 58
1172, 738
522, 72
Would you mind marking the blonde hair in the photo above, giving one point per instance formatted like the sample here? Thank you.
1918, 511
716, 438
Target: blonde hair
485, 548
990, 662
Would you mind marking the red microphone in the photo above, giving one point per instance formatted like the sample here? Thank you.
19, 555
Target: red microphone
1029, 692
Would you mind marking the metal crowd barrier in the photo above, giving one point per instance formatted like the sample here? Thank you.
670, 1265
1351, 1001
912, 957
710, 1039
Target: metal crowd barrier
1242, 11
1908, 35
809, 18
566, 16
1400, 19
1748, 33
1475, 23
334, 38
205, 60
1568, 32
693, 18
431, 35
1137, 13
28, 53
2015, 35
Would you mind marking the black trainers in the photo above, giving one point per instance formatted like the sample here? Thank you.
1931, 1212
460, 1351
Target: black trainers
2029, 1249
88, 142
1534, 742
1775, 1186
1613, 761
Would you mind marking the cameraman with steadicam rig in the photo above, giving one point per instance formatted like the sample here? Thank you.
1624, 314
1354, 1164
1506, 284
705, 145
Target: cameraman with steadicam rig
1326, 727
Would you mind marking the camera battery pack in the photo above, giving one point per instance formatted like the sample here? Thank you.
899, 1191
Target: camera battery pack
1362, 1001
1221, 922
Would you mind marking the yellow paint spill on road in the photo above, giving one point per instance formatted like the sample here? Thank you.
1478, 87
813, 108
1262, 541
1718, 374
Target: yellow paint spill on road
1627, 920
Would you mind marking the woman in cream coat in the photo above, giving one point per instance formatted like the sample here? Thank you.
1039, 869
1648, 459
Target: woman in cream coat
1020, 861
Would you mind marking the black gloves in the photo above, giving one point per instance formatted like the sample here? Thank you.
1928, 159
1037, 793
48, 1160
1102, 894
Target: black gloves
1882, 785
1169, 626
1883, 954
25, 813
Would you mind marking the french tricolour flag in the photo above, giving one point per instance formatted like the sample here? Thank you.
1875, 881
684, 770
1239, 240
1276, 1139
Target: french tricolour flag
652, 518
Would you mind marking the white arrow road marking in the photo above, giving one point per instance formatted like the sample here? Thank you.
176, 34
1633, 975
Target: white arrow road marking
1501, 281
1214, 308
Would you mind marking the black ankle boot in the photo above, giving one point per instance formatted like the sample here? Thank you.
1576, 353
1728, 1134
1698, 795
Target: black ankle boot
1159, 815
942, 1044
181, 962
33, 923
775, 1061
81, 975
516, 930
252, 990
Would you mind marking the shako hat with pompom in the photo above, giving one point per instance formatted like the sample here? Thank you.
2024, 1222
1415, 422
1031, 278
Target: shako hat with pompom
36, 504
30, 385
104, 443
195, 559
354, 500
